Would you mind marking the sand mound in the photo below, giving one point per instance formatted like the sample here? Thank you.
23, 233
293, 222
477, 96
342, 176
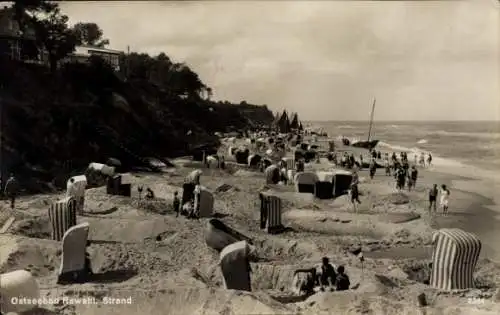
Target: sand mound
38, 227
41, 257
396, 198
127, 231
245, 173
398, 217
277, 249
225, 188
157, 205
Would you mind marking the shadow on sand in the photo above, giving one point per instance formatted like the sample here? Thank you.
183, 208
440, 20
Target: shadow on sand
112, 276
218, 215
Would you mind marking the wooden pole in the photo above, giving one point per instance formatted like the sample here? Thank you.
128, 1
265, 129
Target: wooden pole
371, 119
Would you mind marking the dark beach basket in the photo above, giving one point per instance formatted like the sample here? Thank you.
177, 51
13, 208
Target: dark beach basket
323, 190
125, 190
187, 192
113, 185
242, 157
341, 184
306, 188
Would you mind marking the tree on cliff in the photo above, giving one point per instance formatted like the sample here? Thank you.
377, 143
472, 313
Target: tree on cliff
175, 78
89, 34
51, 28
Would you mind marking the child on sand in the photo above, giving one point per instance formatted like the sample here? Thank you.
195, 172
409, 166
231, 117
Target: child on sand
433, 192
328, 276
445, 195
342, 280
176, 204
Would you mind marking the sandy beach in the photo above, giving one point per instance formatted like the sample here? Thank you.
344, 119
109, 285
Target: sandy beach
162, 263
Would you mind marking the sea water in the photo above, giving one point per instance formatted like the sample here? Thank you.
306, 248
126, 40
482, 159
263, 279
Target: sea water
472, 147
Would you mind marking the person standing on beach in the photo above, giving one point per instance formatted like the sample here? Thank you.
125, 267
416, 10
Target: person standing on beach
176, 204
422, 159
11, 190
400, 178
373, 168
355, 190
429, 159
445, 196
433, 192
387, 165
413, 176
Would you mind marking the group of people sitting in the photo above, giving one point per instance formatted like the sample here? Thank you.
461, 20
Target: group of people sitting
326, 277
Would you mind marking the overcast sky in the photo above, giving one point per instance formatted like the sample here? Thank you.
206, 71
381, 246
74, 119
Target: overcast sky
434, 60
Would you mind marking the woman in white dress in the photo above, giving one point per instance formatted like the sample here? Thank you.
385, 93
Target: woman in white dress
445, 197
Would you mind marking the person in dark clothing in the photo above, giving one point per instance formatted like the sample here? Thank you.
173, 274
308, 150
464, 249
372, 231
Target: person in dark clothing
328, 275
150, 194
11, 190
379, 155
400, 178
299, 166
342, 280
373, 168
176, 204
433, 192
414, 175
429, 159
355, 195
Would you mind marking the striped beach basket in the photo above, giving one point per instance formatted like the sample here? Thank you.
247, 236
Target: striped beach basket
454, 259
289, 163
62, 216
270, 213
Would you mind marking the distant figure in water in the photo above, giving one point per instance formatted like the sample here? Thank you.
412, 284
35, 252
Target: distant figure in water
422, 159
429, 159
342, 281
433, 192
11, 190
415, 159
445, 196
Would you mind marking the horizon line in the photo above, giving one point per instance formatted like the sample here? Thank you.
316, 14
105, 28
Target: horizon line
383, 121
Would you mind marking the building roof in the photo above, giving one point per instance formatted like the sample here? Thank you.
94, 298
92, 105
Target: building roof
97, 49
